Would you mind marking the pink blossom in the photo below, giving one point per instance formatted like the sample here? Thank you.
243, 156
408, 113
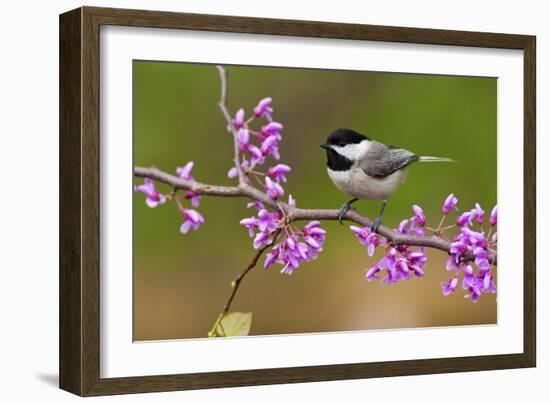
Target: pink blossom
366, 237
270, 146
264, 109
233, 173
191, 220
153, 197
450, 286
273, 189
478, 213
297, 248
450, 203
419, 217
264, 222
291, 201
402, 228
238, 122
258, 157
465, 219
372, 273
494, 216
271, 129
278, 172
185, 174
262, 239
243, 138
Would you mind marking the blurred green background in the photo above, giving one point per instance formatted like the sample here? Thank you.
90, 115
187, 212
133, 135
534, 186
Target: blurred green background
181, 282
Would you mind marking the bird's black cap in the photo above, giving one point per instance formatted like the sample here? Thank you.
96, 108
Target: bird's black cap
343, 137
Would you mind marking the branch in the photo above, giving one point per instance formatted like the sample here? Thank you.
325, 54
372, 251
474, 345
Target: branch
237, 282
298, 214
223, 106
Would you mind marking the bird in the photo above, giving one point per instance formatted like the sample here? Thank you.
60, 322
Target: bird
366, 169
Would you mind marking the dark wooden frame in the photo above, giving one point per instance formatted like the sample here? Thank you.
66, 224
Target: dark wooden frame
79, 201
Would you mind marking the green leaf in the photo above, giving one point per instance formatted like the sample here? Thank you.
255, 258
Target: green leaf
235, 324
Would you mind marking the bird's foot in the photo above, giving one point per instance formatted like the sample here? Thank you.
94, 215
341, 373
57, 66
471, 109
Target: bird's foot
344, 209
378, 218
375, 224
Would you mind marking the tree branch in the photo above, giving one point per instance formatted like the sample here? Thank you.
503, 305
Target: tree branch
237, 282
223, 107
298, 214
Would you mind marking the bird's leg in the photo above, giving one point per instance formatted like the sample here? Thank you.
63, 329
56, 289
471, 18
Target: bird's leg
345, 207
378, 218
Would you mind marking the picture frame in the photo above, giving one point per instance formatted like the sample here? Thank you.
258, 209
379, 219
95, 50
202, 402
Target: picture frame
80, 199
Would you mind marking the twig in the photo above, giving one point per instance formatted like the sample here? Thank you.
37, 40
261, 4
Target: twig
237, 282
298, 214
223, 106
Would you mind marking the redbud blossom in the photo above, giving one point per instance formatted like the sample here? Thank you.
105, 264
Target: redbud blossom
153, 197
278, 172
465, 219
291, 201
233, 173
243, 137
238, 122
400, 262
271, 129
474, 281
366, 237
493, 217
264, 109
419, 216
450, 203
257, 158
191, 220
402, 228
273, 189
270, 146
478, 213
297, 248
185, 174
449, 287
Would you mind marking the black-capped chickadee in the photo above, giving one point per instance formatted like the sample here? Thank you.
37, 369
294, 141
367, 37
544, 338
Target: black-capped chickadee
366, 169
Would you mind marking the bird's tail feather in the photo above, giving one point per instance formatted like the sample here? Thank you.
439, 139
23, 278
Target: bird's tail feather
434, 159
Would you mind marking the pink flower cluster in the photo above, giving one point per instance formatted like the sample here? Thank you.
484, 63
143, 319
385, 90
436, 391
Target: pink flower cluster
401, 262
297, 245
192, 219
255, 146
478, 278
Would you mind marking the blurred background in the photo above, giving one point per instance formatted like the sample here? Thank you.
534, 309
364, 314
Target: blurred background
181, 282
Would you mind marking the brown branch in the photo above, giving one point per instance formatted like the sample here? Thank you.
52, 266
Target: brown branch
237, 282
298, 214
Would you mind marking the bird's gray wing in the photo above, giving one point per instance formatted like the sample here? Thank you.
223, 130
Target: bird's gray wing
382, 160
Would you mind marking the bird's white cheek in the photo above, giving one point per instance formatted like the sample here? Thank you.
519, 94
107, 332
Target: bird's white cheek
354, 152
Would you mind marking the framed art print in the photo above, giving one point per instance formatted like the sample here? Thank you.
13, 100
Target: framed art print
250, 201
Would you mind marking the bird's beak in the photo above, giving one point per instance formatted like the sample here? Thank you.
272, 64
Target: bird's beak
326, 146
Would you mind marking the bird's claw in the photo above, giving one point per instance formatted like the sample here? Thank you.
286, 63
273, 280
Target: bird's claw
343, 210
375, 224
